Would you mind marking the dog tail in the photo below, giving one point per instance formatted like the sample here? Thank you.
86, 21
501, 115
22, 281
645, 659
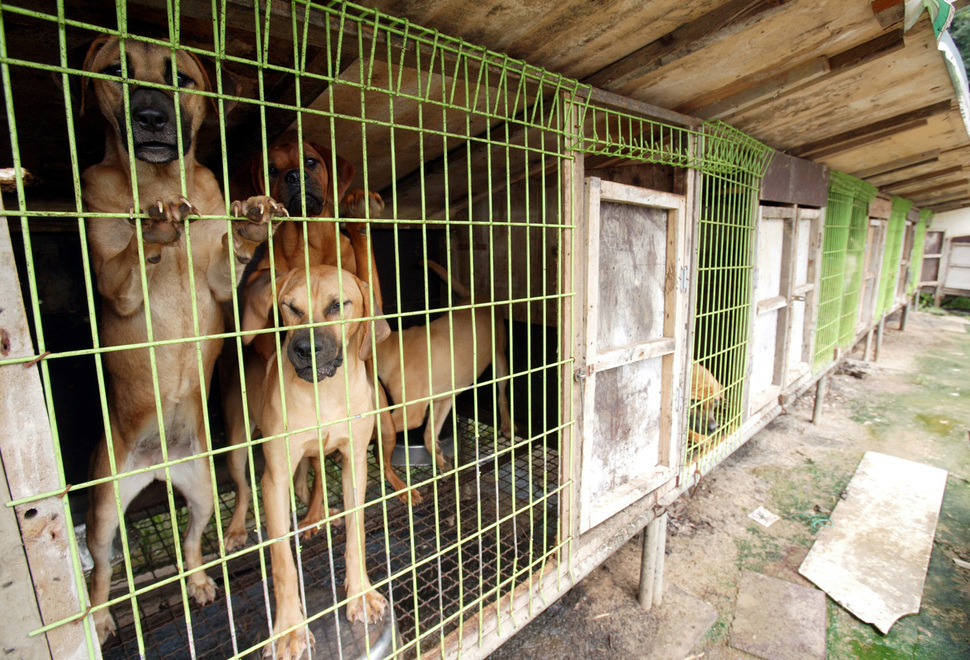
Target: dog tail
456, 286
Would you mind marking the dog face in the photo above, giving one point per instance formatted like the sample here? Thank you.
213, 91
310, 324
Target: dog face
706, 395
332, 295
283, 168
151, 117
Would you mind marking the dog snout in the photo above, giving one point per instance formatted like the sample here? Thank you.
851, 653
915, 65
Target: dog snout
307, 347
292, 177
153, 126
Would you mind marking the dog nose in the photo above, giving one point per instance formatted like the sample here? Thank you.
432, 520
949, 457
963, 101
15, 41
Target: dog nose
151, 119
293, 177
305, 346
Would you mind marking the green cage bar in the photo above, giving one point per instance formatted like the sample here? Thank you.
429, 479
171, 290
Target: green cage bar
889, 276
862, 195
916, 262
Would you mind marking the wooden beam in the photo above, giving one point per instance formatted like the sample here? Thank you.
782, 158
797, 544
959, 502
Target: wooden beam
863, 140
898, 165
916, 194
724, 21
763, 87
896, 185
949, 205
873, 131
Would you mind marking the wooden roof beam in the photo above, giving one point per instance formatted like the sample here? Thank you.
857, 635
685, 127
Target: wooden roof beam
765, 86
936, 174
871, 132
721, 22
898, 165
952, 205
922, 192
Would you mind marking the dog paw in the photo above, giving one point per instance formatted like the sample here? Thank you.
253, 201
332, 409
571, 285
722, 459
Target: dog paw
234, 539
202, 588
410, 496
369, 607
312, 522
104, 624
164, 223
290, 646
258, 217
355, 204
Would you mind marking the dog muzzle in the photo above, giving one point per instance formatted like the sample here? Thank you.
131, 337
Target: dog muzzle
307, 347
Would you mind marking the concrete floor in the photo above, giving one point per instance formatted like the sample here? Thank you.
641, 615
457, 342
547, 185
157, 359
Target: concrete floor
914, 403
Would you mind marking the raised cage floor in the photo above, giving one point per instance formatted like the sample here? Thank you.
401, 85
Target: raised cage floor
452, 555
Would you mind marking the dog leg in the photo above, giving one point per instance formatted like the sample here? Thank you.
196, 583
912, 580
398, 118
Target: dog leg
500, 371
194, 482
303, 492
432, 432
364, 604
102, 525
235, 536
315, 514
388, 442
286, 589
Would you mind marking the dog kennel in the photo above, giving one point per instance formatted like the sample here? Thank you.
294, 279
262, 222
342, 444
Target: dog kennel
617, 246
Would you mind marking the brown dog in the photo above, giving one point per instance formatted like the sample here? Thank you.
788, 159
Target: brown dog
461, 345
706, 395
321, 415
134, 438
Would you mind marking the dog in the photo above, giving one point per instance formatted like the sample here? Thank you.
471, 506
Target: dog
461, 344
133, 438
325, 177
706, 396
309, 374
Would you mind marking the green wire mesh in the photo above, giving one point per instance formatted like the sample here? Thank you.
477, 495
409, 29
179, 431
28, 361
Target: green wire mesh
895, 234
919, 241
846, 222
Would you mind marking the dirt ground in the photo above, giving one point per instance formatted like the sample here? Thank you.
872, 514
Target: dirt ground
914, 403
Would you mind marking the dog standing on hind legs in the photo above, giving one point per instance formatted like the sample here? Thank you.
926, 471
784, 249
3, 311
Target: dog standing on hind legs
134, 439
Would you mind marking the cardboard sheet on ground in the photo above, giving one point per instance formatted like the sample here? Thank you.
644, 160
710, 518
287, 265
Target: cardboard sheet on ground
873, 559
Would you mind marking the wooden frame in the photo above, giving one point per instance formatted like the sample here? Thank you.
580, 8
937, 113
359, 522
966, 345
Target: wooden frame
670, 348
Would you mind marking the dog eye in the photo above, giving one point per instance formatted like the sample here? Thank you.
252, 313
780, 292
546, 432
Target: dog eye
273, 171
293, 308
183, 80
311, 163
334, 308
113, 70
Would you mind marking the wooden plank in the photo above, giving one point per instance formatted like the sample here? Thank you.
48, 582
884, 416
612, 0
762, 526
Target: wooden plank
751, 91
643, 109
635, 352
875, 130
720, 23
747, 91
771, 304
881, 207
899, 164
905, 183
917, 195
30, 466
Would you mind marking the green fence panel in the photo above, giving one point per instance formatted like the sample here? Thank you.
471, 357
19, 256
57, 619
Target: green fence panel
889, 274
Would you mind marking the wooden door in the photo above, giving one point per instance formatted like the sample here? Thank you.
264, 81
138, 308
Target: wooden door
635, 345
875, 245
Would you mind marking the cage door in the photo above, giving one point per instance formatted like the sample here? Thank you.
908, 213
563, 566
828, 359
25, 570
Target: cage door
635, 339
773, 263
875, 244
806, 242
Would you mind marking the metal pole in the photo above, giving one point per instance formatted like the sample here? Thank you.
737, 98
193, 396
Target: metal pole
820, 389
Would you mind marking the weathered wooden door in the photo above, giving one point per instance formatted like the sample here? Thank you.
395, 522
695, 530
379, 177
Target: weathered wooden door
784, 300
635, 345
875, 245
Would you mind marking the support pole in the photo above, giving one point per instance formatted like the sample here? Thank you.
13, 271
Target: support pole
652, 562
865, 351
903, 315
820, 389
879, 332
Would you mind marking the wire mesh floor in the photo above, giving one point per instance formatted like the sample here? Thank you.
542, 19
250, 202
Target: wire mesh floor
478, 534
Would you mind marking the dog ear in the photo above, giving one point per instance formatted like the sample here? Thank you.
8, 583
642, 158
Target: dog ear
256, 172
257, 303
231, 86
379, 326
89, 58
345, 171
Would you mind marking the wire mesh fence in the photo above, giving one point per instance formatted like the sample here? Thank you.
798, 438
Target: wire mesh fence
166, 329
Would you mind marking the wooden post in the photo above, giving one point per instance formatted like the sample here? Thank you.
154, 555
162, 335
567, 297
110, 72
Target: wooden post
903, 315
880, 327
865, 351
652, 562
51, 591
820, 389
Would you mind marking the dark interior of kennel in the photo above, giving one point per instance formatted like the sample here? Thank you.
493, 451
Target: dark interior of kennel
475, 566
